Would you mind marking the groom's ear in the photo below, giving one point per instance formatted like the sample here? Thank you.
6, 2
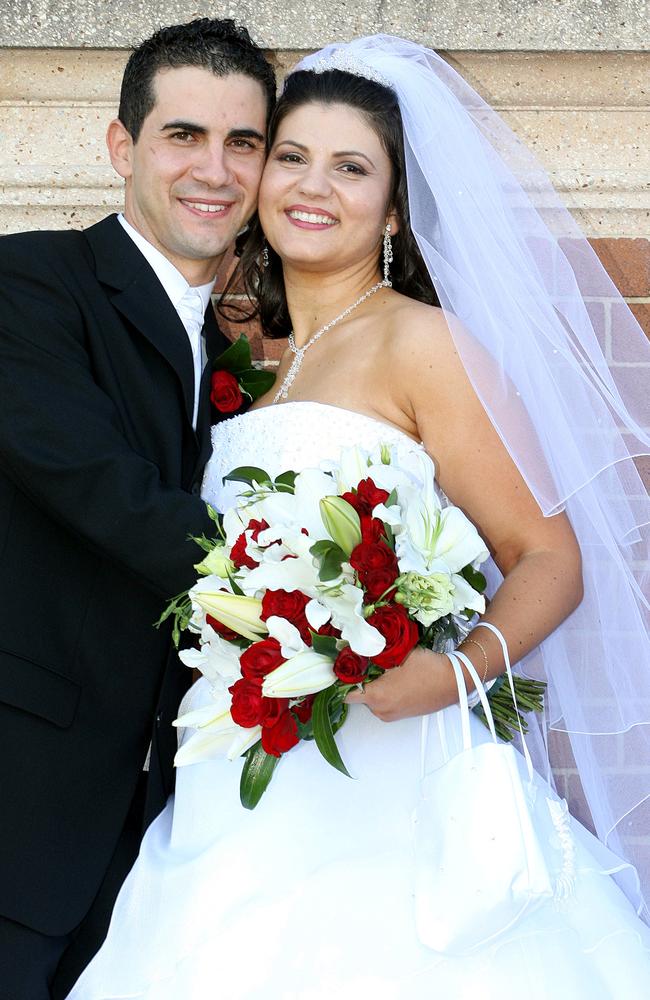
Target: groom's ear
120, 148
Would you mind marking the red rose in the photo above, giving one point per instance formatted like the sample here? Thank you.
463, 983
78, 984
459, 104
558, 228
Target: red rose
272, 709
240, 556
260, 659
225, 393
349, 667
280, 737
377, 567
255, 527
366, 497
304, 709
372, 529
329, 629
289, 604
399, 631
220, 629
246, 708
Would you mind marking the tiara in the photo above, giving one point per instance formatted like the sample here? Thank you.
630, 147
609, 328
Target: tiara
342, 60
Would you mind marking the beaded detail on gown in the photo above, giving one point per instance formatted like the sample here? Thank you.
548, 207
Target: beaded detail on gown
310, 895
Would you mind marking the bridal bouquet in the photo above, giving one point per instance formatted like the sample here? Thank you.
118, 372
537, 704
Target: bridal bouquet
318, 582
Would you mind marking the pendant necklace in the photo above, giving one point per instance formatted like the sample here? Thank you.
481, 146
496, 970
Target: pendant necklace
300, 352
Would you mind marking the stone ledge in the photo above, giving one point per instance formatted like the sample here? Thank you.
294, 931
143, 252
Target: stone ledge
545, 25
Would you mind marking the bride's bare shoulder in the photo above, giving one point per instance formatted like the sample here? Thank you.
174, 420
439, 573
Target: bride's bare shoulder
418, 333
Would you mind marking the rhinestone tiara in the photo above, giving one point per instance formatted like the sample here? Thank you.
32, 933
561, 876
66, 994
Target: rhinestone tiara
342, 60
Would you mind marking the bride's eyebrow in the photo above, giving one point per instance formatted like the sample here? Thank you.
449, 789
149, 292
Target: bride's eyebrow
339, 154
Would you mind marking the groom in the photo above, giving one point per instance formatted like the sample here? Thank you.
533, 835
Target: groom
104, 433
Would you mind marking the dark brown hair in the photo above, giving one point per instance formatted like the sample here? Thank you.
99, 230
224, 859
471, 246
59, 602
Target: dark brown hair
220, 46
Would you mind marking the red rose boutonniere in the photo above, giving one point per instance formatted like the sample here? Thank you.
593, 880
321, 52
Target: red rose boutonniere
235, 382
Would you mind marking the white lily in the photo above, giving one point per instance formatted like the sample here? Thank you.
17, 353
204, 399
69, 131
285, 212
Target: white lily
465, 596
346, 605
305, 673
287, 635
441, 541
290, 574
352, 468
341, 522
241, 614
217, 660
217, 734
208, 745
317, 614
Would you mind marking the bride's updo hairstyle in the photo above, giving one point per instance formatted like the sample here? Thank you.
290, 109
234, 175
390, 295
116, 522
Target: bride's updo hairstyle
378, 104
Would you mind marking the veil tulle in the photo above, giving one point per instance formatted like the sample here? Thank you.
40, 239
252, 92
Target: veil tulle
515, 276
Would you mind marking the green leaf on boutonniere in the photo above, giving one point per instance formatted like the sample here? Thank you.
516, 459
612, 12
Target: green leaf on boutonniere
236, 358
321, 721
256, 774
248, 474
256, 382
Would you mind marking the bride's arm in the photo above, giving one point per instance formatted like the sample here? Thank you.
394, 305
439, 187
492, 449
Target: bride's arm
538, 556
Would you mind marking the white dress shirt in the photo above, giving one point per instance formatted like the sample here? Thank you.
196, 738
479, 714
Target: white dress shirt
176, 288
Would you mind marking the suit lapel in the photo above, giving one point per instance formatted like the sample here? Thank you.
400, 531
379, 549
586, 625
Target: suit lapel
141, 299
215, 343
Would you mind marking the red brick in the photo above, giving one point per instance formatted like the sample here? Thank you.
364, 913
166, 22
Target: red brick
262, 348
641, 311
627, 262
643, 465
575, 797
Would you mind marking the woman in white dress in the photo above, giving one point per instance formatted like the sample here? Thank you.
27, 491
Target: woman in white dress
311, 894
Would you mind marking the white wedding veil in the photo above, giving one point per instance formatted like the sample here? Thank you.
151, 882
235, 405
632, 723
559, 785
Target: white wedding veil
515, 277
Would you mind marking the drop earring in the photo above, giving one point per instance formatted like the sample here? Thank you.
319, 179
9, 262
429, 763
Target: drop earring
388, 255
265, 255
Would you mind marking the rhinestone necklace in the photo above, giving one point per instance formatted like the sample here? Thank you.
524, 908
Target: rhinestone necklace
300, 352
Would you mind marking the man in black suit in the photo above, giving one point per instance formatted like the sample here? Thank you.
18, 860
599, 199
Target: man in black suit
104, 434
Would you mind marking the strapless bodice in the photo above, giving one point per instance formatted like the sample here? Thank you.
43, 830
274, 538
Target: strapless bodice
295, 435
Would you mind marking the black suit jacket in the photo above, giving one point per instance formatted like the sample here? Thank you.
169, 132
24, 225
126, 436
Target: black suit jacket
100, 471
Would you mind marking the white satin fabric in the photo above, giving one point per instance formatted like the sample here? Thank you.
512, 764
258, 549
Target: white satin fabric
310, 896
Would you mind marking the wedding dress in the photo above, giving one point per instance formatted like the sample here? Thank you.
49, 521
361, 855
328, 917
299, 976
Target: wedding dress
310, 895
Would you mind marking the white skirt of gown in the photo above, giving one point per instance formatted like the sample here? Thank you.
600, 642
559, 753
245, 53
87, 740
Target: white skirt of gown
310, 895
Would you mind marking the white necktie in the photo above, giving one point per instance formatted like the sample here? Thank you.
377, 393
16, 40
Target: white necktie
190, 309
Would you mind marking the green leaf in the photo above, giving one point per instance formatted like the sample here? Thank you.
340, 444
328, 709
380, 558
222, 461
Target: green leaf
324, 644
320, 548
330, 566
180, 610
236, 589
330, 557
236, 358
256, 774
287, 479
256, 382
474, 578
323, 731
247, 474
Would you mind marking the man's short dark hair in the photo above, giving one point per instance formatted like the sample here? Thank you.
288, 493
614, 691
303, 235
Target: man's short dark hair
220, 46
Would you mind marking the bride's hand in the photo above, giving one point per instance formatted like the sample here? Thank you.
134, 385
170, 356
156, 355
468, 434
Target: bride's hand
424, 683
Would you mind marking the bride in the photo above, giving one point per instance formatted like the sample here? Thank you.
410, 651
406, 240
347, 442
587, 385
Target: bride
384, 166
